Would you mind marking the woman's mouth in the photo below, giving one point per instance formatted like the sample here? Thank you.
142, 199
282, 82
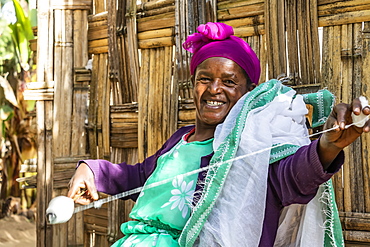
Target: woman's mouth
214, 103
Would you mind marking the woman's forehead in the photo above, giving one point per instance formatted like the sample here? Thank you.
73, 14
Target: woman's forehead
221, 63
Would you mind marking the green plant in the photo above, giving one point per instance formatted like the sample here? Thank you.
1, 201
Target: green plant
15, 59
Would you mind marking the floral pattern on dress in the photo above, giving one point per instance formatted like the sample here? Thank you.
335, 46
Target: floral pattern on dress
181, 195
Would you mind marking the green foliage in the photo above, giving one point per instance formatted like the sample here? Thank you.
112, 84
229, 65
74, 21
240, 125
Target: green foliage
14, 38
15, 56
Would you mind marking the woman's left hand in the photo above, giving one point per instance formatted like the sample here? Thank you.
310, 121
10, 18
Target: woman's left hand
332, 142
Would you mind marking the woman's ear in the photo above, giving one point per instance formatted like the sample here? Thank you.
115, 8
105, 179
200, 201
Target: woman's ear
251, 86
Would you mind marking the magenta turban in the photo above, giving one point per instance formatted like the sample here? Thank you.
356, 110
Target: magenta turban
217, 40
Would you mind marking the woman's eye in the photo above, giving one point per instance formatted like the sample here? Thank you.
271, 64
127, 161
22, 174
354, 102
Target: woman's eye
204, 79
229, 82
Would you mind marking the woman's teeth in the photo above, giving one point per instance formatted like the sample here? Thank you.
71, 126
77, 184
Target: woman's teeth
214, 103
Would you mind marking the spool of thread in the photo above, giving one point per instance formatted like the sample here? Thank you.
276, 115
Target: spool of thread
361, 119
60, 210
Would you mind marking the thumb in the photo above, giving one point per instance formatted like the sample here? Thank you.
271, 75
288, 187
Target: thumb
90, 185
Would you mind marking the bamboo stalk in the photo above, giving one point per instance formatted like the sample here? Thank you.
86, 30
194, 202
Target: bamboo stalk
99, 6
155, 19
308, 36
238, 3
98, 43
281, 38
167, 32
334, 11
155, 12
249, 31
143, 88
356, 145
365, 138
98, 24
274, 37
358, 236
160, 99
240, 12
155, 43
263, 58
345, 18
132, 44
92, 118
315, 42
98, 16
98, 50
269, 56
323, 2
41, 188
154, 5
48, 169
151, 127
343, 6
161, 21
247, 21
344, 83
293, 58
95, 35
105, 107
75, 4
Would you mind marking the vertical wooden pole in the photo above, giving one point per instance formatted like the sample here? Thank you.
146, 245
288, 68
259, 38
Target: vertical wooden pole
44, 121
365, 91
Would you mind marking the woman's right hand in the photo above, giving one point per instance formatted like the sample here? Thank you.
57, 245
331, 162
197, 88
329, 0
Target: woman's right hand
82, 186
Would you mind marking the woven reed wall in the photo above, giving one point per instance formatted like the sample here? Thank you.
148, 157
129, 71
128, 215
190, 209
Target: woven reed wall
138, 91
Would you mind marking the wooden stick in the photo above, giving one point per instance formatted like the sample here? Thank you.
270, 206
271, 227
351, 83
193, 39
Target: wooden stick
365, 138
240, 12
247, 21
154, 5
167, 32
158, 11
249, 31
157, 42
234, 4
345, 18
160, 21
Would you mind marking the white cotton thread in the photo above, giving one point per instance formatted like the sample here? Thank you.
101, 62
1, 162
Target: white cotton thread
60, 210
360, 120
57, 206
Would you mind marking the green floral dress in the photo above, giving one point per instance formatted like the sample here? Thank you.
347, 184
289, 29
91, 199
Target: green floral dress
162, 211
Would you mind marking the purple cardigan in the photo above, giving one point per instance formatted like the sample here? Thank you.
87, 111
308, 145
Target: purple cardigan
294, 179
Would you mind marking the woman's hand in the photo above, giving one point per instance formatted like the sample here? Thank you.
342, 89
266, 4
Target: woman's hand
332, 142
82, 186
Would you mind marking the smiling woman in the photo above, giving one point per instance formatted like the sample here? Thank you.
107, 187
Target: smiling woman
219, 84
256, 141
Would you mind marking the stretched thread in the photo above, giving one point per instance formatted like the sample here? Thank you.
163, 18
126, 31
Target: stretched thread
99, 203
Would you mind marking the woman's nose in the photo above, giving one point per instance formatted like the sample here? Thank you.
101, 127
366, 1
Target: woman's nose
215, 86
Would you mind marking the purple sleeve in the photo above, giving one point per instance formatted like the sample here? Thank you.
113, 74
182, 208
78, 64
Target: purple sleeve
296, 178
115, 178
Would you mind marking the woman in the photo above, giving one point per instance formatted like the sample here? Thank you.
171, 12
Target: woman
242, 196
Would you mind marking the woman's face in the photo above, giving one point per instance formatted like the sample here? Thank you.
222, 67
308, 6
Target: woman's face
218, 84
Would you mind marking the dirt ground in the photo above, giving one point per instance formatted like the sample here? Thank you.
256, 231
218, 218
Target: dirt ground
17, 230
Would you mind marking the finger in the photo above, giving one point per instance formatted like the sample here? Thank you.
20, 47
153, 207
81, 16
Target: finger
342, 112
92, 190
356, 106
75, 189
83, 200
366, 110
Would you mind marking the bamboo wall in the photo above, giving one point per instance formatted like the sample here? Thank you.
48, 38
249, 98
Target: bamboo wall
138, 90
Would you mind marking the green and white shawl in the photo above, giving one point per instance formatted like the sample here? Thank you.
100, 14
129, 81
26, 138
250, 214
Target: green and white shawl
271, 115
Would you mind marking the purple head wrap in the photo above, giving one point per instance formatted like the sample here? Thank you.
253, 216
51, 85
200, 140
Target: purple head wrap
216, 39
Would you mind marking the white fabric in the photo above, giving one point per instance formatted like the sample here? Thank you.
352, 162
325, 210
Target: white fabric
237, 217
360, 120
